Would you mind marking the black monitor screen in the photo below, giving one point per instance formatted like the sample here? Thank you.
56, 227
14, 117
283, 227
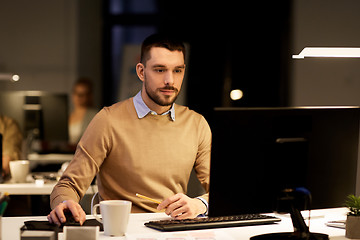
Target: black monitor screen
257, 152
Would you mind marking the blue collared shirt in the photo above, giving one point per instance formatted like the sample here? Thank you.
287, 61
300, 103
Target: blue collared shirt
142, 109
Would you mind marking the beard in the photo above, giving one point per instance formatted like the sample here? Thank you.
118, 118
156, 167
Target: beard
160, 99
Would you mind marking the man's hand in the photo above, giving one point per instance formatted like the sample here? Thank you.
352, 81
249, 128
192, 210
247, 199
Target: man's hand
181, 206
57, 216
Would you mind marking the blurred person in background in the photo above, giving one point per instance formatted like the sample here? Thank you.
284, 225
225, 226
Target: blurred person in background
83, 112
12, 141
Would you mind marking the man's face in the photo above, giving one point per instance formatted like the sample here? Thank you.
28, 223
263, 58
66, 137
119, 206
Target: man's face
163, 75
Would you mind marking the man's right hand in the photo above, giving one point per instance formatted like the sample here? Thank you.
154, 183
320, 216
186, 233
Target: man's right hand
57, 216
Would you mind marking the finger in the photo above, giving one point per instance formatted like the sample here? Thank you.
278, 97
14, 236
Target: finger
184, 211
173, 207
74, 210
82, 215
178, 213
59, 212
77, 211
183, 216
50, 219
164, 204
54, 218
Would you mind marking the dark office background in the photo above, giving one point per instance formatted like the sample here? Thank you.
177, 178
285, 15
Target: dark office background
232, 46
244, 45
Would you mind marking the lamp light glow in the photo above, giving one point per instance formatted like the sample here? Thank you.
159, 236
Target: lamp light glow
236, 94
15, 77
9, 77
338, 52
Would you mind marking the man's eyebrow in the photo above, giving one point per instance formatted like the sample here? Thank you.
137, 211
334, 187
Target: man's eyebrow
164, 66
158, 66
180, 66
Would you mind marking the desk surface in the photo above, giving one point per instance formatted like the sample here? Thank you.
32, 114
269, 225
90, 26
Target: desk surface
50, 158
34, 189
11, 226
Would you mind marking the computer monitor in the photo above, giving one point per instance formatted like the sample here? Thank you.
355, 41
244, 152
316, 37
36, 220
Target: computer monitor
258, 152
47, 112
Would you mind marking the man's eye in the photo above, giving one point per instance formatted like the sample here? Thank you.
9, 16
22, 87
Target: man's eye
159, 70
178, 71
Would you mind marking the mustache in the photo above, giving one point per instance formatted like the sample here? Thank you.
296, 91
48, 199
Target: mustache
169, 88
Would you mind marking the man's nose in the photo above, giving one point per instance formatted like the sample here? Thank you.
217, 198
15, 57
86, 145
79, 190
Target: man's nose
169, 79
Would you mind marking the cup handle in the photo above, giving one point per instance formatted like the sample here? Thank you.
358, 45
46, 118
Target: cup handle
95, 214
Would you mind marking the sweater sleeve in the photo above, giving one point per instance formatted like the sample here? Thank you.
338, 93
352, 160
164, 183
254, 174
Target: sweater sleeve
202, 163
90, 153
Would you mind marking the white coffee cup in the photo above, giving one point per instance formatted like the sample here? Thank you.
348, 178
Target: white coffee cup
19, 170
115, 216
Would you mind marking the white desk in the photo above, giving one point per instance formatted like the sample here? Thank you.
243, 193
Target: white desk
50, 158
34, 189
11, 226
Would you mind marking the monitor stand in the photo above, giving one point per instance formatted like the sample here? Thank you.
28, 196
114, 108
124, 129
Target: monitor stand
301, 231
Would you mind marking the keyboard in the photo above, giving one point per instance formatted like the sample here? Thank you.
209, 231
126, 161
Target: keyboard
212, 222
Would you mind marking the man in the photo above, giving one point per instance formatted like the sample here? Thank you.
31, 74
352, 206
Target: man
146, 144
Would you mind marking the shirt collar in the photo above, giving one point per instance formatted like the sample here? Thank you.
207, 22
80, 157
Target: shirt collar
142, 109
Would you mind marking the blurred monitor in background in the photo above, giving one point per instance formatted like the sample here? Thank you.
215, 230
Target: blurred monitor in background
83, 111
42, 117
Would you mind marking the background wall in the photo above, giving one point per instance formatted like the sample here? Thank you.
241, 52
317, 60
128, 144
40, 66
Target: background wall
321, 81
326, 81
50, 44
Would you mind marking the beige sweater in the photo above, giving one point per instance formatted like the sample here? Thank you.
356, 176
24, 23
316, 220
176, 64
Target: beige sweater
152, 156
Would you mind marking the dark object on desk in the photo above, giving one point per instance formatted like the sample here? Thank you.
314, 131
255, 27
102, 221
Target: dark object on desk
291, 236
46, 176
45, 225
289, 201
39, 228
4, 200
70, 220
212, 222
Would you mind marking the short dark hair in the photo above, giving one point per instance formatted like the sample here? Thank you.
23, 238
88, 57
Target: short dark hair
160, 40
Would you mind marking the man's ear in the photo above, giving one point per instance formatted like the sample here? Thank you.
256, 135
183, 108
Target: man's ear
140, 71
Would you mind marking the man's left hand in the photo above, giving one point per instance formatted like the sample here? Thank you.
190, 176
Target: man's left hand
181, 206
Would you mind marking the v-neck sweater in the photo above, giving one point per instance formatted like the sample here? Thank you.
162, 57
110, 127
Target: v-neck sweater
152, 156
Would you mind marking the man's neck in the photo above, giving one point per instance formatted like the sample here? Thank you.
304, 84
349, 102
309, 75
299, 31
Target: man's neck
152, 105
